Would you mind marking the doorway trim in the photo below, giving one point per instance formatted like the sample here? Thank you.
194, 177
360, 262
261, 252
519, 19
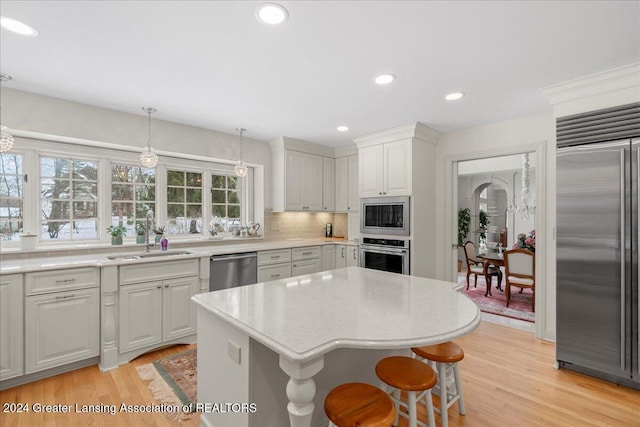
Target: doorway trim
451, 208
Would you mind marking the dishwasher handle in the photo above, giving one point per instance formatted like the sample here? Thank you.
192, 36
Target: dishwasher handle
234, 256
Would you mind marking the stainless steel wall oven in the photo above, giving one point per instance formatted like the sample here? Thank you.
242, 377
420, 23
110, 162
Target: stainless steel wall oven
385, 254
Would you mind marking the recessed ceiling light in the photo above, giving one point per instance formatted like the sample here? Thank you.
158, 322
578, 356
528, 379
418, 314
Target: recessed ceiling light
385, 79
342, 128
271, 13
18, 27
453, 96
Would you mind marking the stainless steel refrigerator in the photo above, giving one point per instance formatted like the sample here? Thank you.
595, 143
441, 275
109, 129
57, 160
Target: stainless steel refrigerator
597, 259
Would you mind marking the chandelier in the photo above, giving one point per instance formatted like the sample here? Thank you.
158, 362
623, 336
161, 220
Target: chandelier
240, 167
525, 208
6, 139
148, 157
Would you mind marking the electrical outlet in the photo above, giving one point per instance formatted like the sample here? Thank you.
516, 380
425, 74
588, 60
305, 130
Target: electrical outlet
275, 226
233, 351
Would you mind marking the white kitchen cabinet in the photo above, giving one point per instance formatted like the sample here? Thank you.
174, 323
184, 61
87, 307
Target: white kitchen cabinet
140, 315
178, 312
61, 327
352, 256
328, 257
341, 256
11, 326
347, 191
385, 169
328, 184
306, 260
303, 181
273, 265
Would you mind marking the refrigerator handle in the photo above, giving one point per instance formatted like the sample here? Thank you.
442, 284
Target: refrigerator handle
623, 260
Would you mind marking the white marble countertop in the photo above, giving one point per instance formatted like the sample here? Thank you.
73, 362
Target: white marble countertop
102, 260
307, 316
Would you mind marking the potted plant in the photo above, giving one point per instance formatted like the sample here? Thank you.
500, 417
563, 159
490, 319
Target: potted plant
140, 232
117, 231
464, 222
484, 222
159, 232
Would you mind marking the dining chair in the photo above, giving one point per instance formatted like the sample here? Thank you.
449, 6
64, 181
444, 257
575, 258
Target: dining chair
476, 266
520, 271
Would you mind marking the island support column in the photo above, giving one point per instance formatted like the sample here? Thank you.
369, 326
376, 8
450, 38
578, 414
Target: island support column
301, 389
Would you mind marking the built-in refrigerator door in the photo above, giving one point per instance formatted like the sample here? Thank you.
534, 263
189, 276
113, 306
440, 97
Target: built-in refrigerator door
634, 291
593, 278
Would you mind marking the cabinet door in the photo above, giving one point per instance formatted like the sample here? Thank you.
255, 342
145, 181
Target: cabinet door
328, 184
328, 257
352, 256
371, 171
341, 256
397, 169
353, 191
11, 326
294, 183
61, 327
140, 315
274, 272
178, 313
343, 183
306, 267
312, 179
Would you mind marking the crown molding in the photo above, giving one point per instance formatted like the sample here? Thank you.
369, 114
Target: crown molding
617, 79
286, 143
413, 130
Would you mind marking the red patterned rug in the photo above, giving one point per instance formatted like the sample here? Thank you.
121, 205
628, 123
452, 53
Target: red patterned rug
173, 380
519, 306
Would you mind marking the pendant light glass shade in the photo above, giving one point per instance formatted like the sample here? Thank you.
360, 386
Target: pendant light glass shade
241, 168
6, 139
148, 157
525, 209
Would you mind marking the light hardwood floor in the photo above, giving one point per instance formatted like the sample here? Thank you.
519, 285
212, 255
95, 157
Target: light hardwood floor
508, 380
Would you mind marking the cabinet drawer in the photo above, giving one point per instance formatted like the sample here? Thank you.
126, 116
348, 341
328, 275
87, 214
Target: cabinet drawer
274, 257
306, 253
41, 282
274, 272
158, 271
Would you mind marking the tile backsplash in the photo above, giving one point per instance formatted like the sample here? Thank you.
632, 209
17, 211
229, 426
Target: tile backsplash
302, 225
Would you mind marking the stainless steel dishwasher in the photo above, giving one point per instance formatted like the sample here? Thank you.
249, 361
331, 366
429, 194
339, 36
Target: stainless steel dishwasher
229, 271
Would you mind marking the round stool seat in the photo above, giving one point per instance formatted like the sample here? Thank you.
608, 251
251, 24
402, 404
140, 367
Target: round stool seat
406, 373
359, 404
447, 352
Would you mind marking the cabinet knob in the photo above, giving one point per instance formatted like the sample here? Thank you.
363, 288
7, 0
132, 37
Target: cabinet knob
166, 286
159, 286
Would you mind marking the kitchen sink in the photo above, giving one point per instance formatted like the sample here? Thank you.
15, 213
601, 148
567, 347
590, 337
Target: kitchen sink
143, 255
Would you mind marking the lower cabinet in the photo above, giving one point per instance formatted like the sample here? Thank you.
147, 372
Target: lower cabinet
306, 260
352, 256
274, 265
61, 327
156, 311
328, 257
341, 256
11, 326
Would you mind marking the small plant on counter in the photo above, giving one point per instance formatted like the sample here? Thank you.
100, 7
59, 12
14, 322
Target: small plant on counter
158, 231
116, 232
141, 232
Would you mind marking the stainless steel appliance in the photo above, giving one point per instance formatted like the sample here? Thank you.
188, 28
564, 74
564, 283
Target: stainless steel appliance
229, 271
597, 259
385, 254
328, 230
384, 215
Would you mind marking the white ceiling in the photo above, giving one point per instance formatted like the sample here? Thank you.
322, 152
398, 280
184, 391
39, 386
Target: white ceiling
212, 64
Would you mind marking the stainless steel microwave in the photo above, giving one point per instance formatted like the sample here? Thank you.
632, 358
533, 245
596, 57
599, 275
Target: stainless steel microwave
384, 215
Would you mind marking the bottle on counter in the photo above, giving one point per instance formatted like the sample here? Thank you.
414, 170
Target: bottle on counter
164, 244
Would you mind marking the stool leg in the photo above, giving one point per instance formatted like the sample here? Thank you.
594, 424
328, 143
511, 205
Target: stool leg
331, 424
456, 376
442, 380
413, 415
431, 419
396, 392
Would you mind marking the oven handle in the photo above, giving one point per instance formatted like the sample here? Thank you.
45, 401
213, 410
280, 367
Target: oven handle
390, 251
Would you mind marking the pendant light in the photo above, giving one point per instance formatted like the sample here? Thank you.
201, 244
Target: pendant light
149, 158
525, 209
241, 168
6, 139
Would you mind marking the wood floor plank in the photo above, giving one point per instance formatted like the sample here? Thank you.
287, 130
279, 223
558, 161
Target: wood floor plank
507, 375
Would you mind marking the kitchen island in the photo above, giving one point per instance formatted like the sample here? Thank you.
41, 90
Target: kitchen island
268, 353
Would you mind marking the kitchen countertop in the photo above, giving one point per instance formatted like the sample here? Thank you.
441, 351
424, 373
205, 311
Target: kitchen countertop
357, 308
101, 260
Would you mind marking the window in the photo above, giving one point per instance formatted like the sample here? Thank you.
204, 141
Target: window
133, 193
184, 202
11, 195
225, 202
69, 199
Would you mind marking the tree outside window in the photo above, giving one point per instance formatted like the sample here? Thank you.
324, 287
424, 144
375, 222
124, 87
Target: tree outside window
184, 202
225, 202
11, 195
133, 193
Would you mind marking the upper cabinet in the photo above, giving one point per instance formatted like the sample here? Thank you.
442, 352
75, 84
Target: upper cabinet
328, 184
385, 169
347, 192
303, 181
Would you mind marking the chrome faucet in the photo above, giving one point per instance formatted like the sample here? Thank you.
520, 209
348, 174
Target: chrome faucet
149, 222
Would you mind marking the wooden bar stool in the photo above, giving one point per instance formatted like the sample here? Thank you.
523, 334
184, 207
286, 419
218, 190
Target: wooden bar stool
414, 377
446, 357
359, 404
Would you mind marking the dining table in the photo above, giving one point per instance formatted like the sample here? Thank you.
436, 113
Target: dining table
489, 258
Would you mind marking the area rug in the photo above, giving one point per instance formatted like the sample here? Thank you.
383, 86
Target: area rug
519, 306
172, 381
